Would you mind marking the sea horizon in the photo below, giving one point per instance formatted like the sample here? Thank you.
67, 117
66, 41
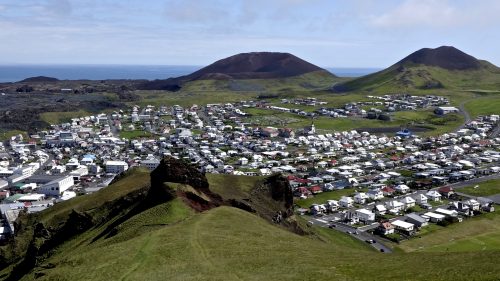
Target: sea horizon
18, 72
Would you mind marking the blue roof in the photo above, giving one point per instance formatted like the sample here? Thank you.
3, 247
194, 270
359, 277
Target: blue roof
404, 133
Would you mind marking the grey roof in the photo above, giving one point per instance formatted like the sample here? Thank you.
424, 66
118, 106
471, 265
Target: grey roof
416, 217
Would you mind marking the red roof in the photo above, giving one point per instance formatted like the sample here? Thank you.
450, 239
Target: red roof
303, 190
388, 189
315, 188
301, 180
446, 189
386, 225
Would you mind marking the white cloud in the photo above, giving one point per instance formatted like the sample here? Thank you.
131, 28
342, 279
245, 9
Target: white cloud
439, 14
420, 13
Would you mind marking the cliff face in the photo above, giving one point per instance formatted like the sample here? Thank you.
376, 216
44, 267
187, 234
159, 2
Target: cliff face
174, 178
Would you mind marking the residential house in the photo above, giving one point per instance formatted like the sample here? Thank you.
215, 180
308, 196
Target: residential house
446, 212
332, 205
402, 188
408, 202
421, 199
380, 209
365, 215
375, 194
433, 217
462, 208
57, 186
433, 195
388, 191
150, 164
394, 206
404, 227
315, 189
473, 204
346, 202
417, 220
115, 167
360, 198
386, 228
446, 191
316, 209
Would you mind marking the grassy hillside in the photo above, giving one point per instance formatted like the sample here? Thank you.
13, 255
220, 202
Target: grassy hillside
171, 241
422, 77
230, 244
317, 80
477, 234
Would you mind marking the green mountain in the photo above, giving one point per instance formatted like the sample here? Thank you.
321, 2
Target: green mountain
177, 224
443, 67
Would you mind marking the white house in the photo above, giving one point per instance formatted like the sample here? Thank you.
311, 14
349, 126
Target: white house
332, 205
408, 202
403, 226
31, 197
150, 164
317, 209
402, 188
433, 195
360, 198
346, 202
394, 206
443, 110
365, 215
380, 209
375, 194
115, 167
57, 187
473, 204
433, 217
448, 213
386, 228
421, 199
243, 161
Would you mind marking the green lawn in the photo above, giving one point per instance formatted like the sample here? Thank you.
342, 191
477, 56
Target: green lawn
475, 234
134, 134
484, 105
486, 188
6, 135
61, 117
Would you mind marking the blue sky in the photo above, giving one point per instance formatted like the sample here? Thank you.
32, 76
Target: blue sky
329, 33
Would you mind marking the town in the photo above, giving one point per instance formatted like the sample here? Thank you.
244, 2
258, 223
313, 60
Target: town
385, 185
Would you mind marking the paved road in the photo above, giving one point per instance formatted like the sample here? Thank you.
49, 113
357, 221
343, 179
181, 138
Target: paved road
495, 131
349, 230
463, 184
465, 114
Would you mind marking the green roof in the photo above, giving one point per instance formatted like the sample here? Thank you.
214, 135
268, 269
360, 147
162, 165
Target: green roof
13, 198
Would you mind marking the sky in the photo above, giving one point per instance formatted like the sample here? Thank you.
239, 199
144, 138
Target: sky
328, 33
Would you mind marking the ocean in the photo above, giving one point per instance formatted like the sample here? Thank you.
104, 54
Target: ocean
13, 73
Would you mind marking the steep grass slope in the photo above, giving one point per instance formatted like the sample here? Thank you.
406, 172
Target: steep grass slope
181, 226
